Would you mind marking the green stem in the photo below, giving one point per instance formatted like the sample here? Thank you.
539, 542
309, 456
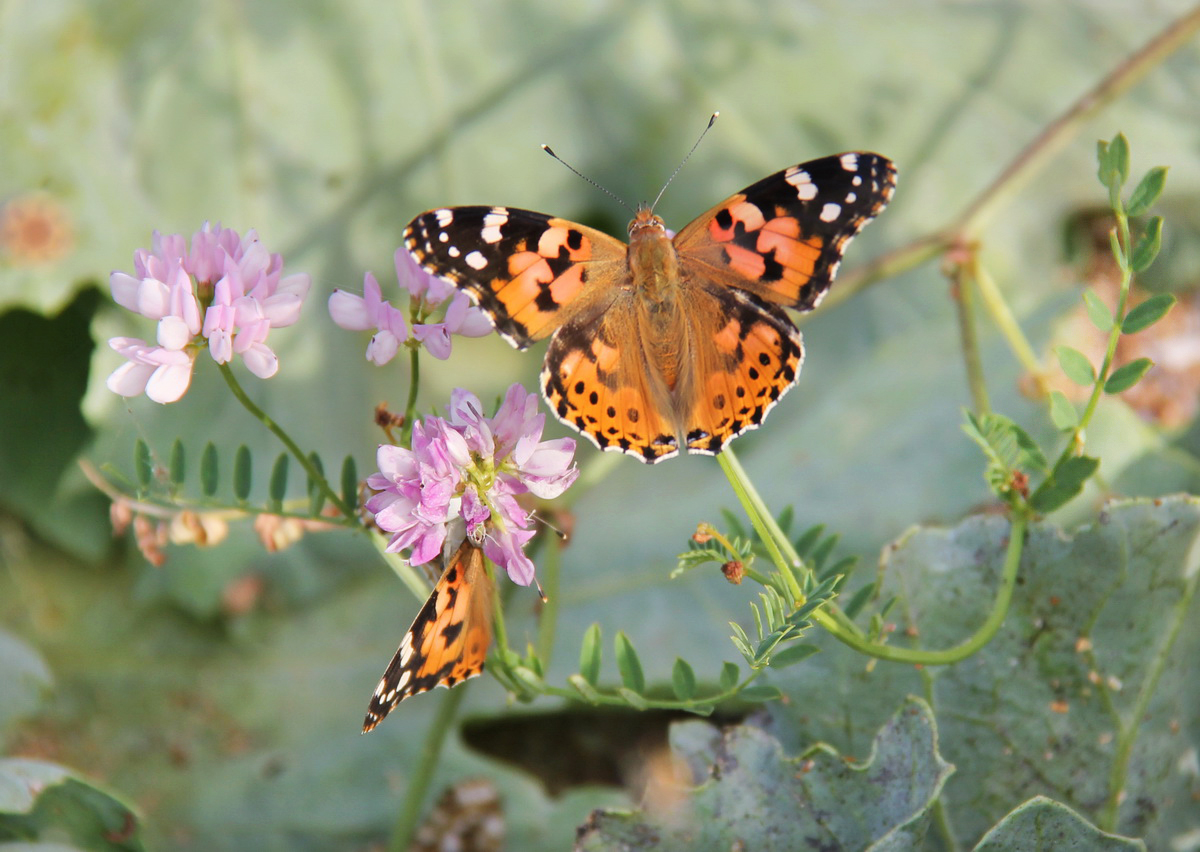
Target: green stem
314, 475
782, 553
1121, 252
499, 631
410, 576
1002, 315
836, 621
548, 620
986, 631
1114, 333
591, 695
410, 407
941, 814
422, 776
964, 301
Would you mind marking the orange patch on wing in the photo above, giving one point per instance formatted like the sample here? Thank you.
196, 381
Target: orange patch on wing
567, 286
606, 356
727, 338
520, 261
554, 240
564, 288
745, 261
743, 212
787, 226
526, 282
570, 362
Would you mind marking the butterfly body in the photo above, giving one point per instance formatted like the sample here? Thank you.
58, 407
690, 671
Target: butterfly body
664, 344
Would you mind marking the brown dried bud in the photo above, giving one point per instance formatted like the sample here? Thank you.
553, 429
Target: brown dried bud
734, 571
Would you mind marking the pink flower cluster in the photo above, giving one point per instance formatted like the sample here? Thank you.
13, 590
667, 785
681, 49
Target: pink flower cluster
237, 283
472, 467
426, 292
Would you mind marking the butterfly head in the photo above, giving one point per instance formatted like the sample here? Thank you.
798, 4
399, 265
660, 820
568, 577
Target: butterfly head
644, 221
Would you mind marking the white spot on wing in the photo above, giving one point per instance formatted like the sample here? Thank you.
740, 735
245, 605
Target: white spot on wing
492, 223
851, 198
444, 216
475, 260
830, 212
806, 190
850, 162
405, 677
453, 251
443, 237
857, 180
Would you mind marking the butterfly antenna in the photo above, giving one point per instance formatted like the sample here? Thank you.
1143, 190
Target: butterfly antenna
562, 536
603, 189
711, 121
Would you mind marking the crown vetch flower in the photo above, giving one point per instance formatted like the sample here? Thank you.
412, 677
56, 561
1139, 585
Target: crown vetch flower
471, 466
426, 294
370, 310
234, 278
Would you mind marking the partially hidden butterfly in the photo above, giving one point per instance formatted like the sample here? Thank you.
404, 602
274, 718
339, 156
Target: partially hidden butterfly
448, 640
663, 344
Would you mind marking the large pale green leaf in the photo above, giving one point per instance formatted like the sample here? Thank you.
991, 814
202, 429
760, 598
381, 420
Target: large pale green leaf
750, 795
1043, 825
1102, 634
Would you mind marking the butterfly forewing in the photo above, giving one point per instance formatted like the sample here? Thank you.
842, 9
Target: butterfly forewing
783, 237
524, 269
448, 640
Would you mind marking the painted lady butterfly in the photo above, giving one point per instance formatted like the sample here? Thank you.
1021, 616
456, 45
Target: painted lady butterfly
663, 343
448, 640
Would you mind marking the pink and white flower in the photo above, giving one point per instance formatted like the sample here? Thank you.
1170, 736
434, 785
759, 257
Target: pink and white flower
472, 467
244, 295
426, 294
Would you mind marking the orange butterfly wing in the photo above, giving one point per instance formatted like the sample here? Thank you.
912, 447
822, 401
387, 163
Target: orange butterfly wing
528, 272
783, 238
777, 243
448, 640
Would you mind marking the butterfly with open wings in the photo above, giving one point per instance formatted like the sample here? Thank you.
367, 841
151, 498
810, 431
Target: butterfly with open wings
663, 344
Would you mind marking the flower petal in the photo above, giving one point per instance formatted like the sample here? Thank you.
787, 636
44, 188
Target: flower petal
349, 311
261, 361
169, 382
130, 378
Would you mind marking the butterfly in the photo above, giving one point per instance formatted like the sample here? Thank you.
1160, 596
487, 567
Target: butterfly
448, 640
663, 344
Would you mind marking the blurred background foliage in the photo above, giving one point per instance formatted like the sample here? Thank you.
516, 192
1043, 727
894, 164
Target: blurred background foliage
222, 693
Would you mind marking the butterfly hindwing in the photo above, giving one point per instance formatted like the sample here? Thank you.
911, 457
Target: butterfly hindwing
753, 358
783, 237
597, 380
523, 269
448, 640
